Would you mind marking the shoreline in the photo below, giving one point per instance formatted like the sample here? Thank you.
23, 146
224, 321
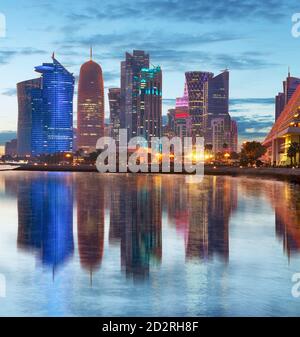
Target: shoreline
286, 174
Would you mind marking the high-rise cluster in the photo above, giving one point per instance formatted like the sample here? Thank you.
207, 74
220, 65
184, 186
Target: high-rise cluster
289, 87
203, 111
45, 123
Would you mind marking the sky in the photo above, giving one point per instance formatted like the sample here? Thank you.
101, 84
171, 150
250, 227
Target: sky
252, 38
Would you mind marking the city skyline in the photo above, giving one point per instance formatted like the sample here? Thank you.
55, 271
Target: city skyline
197, 44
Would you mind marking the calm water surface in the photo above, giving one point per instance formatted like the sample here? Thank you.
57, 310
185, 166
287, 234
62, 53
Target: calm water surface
148, 245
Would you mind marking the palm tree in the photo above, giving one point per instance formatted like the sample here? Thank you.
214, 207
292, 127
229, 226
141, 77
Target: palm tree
292, 152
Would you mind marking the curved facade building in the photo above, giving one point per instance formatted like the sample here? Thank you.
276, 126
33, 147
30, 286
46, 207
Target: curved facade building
52, 121
90, 106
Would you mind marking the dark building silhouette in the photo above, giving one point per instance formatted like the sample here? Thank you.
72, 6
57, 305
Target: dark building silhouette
279, 104
25, 92
11, 148
289, 87
114, 96
90, 119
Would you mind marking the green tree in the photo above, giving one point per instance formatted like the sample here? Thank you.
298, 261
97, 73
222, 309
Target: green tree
251, 152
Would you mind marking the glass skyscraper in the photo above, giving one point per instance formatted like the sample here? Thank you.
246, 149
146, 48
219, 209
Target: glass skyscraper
195, 81
289, 87
52, 121
216, 102
149, 113
130, 87
26, 92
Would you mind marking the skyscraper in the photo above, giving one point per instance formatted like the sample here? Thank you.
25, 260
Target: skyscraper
114, 96
289, 87
90, 106
25, 92
279, 104
52, 120
130, 88
149, 107
195, 81
216, 103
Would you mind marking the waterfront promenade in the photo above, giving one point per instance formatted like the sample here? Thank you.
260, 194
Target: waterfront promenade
287, 174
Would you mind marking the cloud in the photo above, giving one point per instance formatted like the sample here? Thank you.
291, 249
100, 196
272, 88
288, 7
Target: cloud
169, 101
237, 101
149, 40
199, 11
10, 92
254, 127
7, 55
111, 76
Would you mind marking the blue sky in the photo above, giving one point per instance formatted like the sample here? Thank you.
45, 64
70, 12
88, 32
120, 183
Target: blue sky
250, 37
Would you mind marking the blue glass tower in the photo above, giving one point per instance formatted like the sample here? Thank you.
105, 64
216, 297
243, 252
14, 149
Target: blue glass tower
52, 129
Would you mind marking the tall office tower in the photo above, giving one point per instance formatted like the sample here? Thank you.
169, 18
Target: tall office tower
279, 104
123, 95
195, 81
216, 101
149, 107
52, 121
90, 106
130, 88
114, 96
25, 92
289, 87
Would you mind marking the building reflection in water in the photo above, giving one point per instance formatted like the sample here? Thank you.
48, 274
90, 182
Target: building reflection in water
135, 221
201, 213
45, 217
90, 221
285, 200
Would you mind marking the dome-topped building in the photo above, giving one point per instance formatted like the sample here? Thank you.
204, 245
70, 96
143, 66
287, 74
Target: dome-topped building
90, 105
